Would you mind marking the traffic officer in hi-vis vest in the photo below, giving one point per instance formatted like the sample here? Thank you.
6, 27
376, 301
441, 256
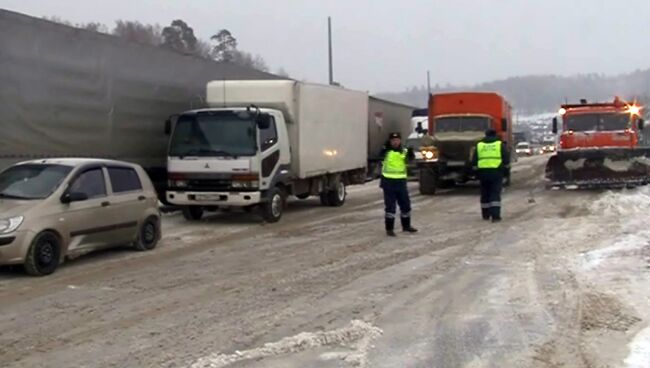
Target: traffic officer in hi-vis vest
393, 182
491, 159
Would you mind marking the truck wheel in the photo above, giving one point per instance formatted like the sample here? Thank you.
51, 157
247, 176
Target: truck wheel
427, 179
273, 208
325, 199
44, 255
337, 197
192, 213
148, 235
302, 196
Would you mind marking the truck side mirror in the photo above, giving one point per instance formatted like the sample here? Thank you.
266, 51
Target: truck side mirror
504, 124
263, 121
641, 123
554, 125
169, 124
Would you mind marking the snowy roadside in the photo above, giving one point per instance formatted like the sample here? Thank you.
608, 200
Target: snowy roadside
617, 267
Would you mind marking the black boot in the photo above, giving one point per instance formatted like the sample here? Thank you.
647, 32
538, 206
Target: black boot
496, 214
390, 226
406, 225
486, 213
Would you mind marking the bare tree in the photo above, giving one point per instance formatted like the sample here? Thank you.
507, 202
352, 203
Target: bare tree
138, 32
90, 26
249, 60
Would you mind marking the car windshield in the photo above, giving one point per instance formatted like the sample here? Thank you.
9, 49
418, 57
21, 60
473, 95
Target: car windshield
462, 124
523, 145
217, 133
36, 181
597, 122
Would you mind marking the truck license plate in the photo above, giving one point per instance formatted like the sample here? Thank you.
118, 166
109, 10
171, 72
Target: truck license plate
455, 163
210, 197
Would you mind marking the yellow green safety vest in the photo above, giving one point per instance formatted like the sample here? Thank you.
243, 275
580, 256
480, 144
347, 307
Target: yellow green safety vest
489, 155
394, 166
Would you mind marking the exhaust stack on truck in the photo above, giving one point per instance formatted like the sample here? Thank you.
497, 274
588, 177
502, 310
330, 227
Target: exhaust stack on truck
261, 141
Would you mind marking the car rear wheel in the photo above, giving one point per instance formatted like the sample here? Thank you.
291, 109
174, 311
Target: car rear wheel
44, 255
148, 235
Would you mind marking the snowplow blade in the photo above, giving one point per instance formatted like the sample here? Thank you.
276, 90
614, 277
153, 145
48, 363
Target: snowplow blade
599, 168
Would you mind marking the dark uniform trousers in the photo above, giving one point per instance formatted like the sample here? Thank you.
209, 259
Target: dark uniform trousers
491, 184
396, 193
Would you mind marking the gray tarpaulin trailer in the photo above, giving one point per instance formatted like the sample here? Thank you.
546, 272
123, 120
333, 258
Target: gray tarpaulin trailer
71, 92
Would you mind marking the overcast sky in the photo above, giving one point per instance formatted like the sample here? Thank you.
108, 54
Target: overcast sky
388, 45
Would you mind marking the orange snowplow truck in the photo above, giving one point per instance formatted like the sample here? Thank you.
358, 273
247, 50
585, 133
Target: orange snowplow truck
601, 145
457, 122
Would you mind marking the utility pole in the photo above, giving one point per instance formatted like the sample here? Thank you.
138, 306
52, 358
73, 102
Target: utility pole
329, 41
429, 82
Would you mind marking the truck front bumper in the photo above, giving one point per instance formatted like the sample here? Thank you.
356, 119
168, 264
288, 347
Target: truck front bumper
225, 199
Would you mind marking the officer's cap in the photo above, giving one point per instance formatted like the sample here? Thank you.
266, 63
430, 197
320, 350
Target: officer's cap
490, 133
394, 135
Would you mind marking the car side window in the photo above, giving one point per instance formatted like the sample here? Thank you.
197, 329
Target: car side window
268, 136
91, 183
124, 179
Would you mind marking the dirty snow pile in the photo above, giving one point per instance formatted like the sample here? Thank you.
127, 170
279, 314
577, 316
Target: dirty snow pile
357, 335
625, 254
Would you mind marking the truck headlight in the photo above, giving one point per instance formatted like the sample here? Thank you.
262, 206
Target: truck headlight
244, 184
430, 153
9, 225
178, 183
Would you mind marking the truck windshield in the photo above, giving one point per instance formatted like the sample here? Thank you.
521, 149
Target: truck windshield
216, 133
462, 124
597, 122
31, 181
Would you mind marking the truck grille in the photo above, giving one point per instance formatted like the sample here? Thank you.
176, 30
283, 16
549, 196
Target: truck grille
454, 151
209, 185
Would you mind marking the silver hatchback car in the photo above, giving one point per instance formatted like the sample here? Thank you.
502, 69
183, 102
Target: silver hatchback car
62, 208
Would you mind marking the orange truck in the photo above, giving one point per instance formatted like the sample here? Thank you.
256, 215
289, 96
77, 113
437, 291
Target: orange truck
457, 122
600, 146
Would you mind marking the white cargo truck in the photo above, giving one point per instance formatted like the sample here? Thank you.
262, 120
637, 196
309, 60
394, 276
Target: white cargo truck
261, 141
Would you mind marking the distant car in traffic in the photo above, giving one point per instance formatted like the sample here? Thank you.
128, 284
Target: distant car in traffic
523, 148
548, 148
61, 208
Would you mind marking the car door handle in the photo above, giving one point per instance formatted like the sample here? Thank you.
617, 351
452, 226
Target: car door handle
106, 204
141, 198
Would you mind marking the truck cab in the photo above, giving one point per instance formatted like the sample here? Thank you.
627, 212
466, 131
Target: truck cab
227, 157
457, 122
594, 125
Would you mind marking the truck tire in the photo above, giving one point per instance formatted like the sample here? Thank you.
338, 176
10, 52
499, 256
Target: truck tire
192, 213
427, 181
273, 208
44, 255
302, 196
325, 199
336, 198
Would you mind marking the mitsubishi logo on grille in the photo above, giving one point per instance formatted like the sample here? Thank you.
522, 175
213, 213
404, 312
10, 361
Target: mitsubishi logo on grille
207, 166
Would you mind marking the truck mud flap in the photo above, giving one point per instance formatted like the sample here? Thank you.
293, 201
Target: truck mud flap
599, 168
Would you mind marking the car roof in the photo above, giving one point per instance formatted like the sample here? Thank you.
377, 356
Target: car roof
75, 162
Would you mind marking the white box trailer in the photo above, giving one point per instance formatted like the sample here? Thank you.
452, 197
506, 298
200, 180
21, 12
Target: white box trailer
261, 141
